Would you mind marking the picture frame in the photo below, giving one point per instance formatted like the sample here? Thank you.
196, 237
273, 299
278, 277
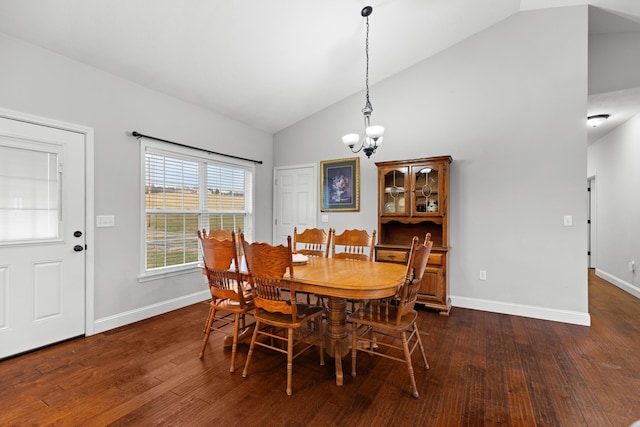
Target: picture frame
340, 185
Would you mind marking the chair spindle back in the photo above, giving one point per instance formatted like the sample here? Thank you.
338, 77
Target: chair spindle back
355, 244
267, 266
314, 241
221, 265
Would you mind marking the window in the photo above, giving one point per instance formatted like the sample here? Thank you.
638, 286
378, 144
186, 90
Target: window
30, 194
186, 190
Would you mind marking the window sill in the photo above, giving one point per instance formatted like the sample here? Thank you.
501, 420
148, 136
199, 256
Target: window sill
168, 272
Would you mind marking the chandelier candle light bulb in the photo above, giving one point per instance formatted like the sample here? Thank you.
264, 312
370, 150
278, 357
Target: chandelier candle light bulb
375, 133
350, 140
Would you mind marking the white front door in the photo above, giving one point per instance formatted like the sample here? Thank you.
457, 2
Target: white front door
42, 235
295, 200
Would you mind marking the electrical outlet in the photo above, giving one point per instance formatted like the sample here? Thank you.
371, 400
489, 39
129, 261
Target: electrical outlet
483, 275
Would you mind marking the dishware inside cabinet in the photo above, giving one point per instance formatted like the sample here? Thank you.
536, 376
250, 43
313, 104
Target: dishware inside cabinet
393, 191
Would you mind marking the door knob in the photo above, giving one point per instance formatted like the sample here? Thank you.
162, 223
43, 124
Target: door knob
78, 248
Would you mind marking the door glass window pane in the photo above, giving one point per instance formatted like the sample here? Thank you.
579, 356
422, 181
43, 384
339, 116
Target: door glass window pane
426, 179
394, 201
29, 194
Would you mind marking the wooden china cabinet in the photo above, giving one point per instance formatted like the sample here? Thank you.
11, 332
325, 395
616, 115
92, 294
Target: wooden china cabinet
412, 201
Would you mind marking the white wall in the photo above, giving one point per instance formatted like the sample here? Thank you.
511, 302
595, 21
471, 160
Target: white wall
614, 62
509, 105
38, 82
613, 160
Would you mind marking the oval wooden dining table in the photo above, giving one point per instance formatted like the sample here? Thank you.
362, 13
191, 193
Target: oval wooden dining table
339, 280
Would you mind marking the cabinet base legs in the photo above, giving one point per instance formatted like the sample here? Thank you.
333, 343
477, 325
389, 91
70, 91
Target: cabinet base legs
442, 309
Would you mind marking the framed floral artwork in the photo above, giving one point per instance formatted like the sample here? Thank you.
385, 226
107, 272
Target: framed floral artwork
340, 184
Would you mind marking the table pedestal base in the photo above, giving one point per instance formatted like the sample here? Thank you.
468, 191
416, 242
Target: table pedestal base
337, 339
244, 335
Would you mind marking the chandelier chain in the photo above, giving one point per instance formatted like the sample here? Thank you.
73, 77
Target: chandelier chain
366, 51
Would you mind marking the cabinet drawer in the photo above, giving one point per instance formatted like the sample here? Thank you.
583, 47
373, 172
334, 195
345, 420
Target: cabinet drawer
390, 255
386, 255
435, 259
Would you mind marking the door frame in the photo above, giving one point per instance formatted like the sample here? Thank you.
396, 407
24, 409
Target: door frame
592, 225
314, 167
89, 202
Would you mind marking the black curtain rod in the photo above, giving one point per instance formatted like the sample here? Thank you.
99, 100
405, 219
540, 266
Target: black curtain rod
138, 135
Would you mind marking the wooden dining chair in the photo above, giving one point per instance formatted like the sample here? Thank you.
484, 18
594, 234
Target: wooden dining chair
355, 245
277, 313
312, 242
394, 317
231, 298
216, 234
222, 234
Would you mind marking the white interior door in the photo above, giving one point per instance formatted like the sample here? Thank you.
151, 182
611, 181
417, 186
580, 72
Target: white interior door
42, 235
295, 200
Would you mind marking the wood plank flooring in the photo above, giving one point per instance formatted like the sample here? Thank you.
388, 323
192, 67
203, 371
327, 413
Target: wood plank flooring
487, 369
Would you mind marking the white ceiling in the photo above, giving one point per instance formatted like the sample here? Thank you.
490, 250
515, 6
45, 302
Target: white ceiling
266, 63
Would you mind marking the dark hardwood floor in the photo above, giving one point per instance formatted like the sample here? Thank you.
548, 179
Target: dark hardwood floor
486, 369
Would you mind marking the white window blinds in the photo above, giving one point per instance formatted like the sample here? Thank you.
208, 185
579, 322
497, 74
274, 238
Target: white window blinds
185, 192
29, 194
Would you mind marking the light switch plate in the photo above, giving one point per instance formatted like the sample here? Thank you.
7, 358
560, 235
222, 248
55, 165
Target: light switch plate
568, 221
105, 221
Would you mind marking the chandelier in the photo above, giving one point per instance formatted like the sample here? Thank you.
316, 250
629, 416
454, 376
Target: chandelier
372, 134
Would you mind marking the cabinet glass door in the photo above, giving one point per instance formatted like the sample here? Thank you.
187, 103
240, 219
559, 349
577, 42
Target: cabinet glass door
394, 191
426, 190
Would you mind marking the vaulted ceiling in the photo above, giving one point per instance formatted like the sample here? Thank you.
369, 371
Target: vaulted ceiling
266, 63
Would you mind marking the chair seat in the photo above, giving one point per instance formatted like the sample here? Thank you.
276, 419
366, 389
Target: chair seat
371, 317
305, 311
233, 306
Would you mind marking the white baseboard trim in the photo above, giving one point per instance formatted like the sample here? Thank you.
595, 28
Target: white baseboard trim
127, 317
625, 286
544, 313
